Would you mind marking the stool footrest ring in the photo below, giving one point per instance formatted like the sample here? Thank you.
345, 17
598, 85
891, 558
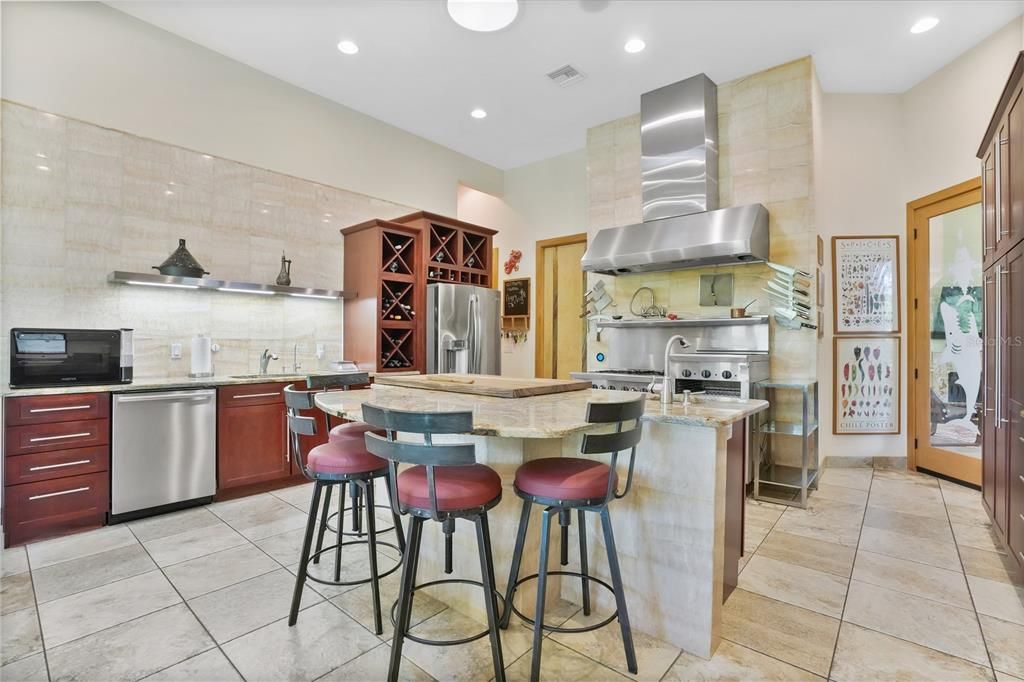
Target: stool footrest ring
552, 628
361, 581
353, 533
445, 642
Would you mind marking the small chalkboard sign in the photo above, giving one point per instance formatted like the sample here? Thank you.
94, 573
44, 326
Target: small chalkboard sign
516, 299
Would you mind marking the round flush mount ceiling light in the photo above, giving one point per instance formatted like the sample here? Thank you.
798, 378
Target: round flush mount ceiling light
923, 25
478, 113
483, 15
634, 45
347, 47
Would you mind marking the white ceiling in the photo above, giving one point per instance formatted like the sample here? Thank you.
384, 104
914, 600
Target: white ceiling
418, 70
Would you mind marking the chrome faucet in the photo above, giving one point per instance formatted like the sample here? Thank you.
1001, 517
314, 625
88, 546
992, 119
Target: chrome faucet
265, 360
667, 384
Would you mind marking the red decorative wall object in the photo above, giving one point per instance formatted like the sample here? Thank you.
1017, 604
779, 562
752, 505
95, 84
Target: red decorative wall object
512, 264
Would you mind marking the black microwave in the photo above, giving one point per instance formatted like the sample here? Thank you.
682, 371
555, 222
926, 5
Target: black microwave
71, 357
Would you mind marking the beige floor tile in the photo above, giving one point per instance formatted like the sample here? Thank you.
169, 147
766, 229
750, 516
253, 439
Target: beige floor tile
797, 636
1005, 644
373, 665
735, 663
84, 613
358, 603
13, 561
190, 544
246, 606
79, 545
827, 520
604, 645
910, 547
259, 516
809, 553
16, 593
131, 650
904, 476
871, 656
805, 587
68, 577
209, 666
907, 498
561, 663
220, 569
997, 599
1003, 677
19, 635
942, 627
973, 514
979, 537
948, 587
954, 493
284, 547
30, 669
991, 565
156, 527
908, 524
858, 478
839, 493
299, 496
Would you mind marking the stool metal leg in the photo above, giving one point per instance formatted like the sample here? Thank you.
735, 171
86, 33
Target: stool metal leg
405, 596
340, 530
517, 559
620, 595
371, 542
307, 541
323, 521
397, 519
583, 561
483, 540
542, 580
357, 508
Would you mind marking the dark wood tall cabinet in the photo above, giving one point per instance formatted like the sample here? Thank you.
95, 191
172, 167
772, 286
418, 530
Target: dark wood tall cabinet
388, 264
1002, 156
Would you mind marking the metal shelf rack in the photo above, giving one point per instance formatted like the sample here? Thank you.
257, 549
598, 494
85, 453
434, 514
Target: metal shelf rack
781, 479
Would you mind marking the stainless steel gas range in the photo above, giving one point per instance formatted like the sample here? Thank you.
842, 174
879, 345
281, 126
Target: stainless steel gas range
713, 374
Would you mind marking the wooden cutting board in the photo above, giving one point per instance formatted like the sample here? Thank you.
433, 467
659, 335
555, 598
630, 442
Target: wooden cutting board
483, 384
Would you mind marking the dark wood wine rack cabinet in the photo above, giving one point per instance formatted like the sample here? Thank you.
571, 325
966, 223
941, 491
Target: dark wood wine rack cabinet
388, 264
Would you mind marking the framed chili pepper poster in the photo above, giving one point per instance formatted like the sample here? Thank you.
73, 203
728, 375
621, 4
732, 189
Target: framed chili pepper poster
866, 384
866, 285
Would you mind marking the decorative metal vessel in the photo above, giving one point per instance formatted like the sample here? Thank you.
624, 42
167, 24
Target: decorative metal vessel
181, 263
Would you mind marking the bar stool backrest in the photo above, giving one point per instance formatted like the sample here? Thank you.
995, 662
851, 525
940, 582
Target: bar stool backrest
622, 438
296, 400
427, 453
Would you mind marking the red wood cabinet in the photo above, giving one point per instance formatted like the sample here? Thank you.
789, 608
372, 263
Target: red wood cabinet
56, 464
251, 435
1002, 155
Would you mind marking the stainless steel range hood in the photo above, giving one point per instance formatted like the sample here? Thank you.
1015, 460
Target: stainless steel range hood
683, 226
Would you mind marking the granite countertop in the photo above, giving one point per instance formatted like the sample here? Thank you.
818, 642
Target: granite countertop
167, 383
546, 416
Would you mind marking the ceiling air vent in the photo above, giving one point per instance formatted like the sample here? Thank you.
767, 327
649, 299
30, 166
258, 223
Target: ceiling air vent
566, 75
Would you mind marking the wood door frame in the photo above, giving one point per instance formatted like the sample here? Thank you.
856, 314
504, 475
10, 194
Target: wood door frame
579, 237
960, 195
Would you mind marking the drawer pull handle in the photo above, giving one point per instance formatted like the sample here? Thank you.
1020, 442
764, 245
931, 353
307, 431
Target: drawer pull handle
59, 466
256, 395
62, 492
37, 410
41, 439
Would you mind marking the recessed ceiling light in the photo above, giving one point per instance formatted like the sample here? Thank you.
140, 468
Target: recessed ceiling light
483, 15
925, 24
348, 47
635, 45
478, 113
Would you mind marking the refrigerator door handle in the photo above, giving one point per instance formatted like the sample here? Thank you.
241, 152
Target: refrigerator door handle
474, 334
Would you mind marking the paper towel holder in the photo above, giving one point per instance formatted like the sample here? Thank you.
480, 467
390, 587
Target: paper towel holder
202, 359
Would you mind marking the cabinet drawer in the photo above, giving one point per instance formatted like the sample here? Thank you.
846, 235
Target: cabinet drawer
250, 394
36, 510
23, 440
43, 466
47, 409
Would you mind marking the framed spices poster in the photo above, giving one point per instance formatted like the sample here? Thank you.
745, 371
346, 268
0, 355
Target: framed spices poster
866, 285
866, 385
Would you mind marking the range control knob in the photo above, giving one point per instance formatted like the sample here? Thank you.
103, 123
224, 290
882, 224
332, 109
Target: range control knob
727, 374
687, 373
706, 374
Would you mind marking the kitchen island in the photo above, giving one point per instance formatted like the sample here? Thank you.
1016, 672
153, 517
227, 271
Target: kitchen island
678, 532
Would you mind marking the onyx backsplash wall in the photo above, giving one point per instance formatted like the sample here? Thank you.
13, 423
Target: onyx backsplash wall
80, 201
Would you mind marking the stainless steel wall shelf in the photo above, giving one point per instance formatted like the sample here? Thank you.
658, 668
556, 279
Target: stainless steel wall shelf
694, 322
153, 280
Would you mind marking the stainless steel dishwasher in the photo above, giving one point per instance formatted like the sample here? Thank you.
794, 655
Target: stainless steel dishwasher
164, 451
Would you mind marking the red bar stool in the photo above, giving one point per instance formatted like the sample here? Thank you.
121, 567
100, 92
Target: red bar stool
339, 462
444, 484
562, 484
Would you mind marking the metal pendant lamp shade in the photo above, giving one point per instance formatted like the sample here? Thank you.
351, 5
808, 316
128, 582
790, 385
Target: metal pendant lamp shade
181, 263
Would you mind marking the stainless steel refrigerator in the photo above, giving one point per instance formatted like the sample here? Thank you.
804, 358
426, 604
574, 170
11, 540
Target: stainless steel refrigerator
463, 330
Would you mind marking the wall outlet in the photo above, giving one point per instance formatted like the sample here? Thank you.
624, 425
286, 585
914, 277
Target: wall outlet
320, 351
175, 351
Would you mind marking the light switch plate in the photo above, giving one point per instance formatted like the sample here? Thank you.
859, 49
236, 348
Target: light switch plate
175, 351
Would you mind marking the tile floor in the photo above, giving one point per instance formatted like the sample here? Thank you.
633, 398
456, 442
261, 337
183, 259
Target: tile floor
888, 575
